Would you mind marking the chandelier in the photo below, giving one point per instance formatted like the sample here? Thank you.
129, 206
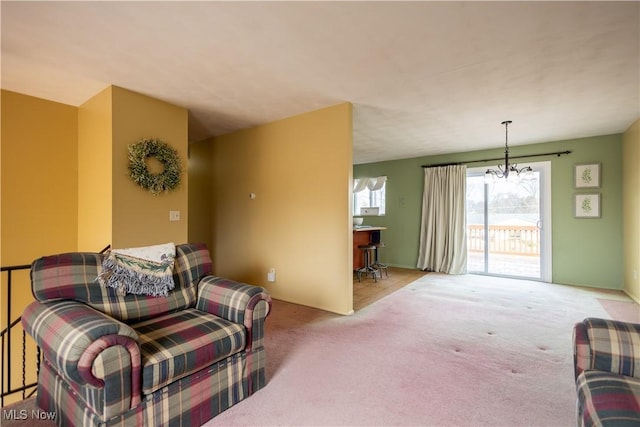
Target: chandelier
503, 171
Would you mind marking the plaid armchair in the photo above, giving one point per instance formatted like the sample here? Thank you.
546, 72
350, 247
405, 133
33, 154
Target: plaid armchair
606, 356
112, 360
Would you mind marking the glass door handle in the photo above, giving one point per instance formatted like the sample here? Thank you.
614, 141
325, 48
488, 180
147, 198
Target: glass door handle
539, 224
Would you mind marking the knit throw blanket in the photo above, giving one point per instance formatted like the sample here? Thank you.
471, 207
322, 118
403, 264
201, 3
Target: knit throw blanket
145, 270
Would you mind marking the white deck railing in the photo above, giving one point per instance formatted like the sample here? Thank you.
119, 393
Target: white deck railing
505, 239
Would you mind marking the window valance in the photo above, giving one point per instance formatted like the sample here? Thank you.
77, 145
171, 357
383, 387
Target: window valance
372, 184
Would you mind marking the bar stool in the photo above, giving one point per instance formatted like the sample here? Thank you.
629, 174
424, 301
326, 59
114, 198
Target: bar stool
377, 242
369, 256
376, 263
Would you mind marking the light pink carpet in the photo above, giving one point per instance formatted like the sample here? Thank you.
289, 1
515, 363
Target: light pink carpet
629, 311
444, 351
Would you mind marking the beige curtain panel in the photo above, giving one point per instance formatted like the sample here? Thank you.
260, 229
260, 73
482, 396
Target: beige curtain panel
443, 240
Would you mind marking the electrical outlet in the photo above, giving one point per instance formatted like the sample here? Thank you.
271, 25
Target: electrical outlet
174, 215
271, 275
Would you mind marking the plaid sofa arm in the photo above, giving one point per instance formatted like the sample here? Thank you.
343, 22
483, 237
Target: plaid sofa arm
581, 349
73, 337
237, 302
607, 400
614, 346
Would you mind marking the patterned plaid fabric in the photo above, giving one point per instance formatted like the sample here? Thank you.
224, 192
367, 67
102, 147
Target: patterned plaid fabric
614, 345
256, 332
66, 276
112, 400
66, 331
191, 401
177, 344
607, 368
192, 263
237, 302
581, 349
169, 364
72, 276
608, 400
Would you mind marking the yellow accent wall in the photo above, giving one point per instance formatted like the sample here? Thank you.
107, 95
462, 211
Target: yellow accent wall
200, 190
65, 184
39, 200
138, 217
39, 178
631, 209
299, 223
95, 190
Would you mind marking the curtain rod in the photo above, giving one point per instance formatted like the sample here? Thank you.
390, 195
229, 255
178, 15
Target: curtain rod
557, 153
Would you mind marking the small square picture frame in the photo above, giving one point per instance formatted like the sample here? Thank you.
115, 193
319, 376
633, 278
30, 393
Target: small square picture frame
587, 206
587, 175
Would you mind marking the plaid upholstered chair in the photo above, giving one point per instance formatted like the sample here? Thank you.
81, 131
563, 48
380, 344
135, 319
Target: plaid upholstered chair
607, 370
111, 359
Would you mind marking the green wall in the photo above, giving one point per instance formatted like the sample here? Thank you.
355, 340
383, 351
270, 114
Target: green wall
586, 252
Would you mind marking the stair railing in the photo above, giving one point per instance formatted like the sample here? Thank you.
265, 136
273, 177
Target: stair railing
7, 369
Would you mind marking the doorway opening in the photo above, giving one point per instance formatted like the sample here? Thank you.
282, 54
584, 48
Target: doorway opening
509, 224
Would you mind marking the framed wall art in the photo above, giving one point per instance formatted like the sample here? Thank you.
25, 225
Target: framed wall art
587, 206
587, 175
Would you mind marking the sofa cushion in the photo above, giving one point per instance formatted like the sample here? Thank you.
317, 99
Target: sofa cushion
175, 345
191, 264
614, 345
72, 276
606, 399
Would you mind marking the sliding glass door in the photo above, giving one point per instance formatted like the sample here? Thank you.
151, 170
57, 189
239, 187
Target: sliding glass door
508, 224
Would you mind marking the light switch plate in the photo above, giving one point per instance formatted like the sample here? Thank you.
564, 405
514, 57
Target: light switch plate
174, 215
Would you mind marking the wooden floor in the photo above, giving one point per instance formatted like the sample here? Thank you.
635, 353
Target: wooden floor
367, 291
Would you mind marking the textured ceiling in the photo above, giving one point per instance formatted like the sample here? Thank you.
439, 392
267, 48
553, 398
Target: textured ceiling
424, 77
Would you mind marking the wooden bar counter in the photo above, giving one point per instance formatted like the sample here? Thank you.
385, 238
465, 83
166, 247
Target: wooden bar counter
362, 236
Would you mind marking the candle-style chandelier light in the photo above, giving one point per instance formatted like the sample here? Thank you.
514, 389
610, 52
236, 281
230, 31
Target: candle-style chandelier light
503, 171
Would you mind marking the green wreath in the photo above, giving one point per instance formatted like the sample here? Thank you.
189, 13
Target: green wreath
168, 179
